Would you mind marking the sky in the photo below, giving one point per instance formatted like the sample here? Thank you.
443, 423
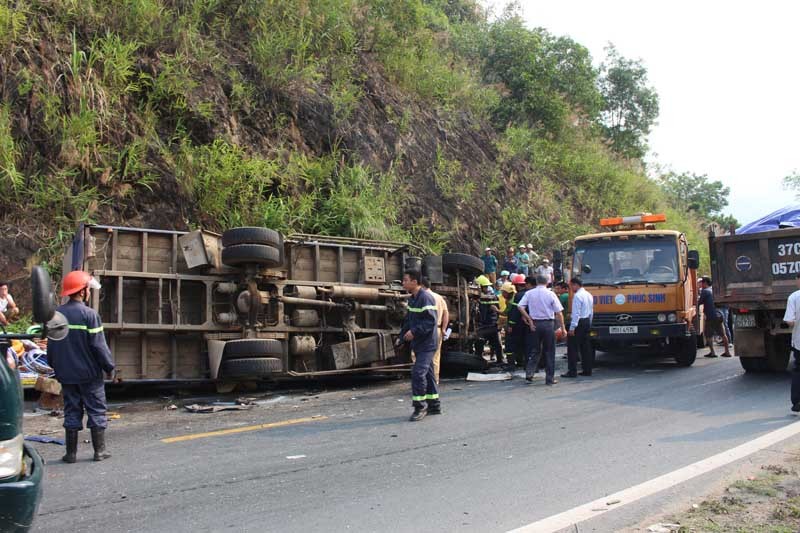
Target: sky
727, 77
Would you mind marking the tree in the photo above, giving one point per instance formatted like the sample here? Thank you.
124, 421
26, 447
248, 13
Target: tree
545, 78
697, 193
631, 106
792, 183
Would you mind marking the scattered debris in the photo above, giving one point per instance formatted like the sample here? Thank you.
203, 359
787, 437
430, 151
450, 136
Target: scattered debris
292, 457
475, 376
612, 502
171, 407
216, 407
113, 416
44, 439
663, 528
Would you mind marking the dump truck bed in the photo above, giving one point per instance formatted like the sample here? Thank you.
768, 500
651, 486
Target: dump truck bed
755, 271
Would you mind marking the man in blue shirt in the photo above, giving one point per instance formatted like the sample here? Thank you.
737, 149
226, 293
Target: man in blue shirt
578, 336
490, 265
79, 361
713, 323
419, 329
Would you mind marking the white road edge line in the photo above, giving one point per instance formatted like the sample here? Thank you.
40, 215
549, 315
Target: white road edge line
648, 488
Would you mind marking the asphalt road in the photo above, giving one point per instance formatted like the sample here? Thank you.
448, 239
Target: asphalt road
503, 455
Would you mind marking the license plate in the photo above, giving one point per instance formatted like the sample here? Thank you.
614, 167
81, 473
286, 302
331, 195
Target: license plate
621, 330
744, 321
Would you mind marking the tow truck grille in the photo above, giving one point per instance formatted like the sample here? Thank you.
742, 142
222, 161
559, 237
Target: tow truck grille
625, 319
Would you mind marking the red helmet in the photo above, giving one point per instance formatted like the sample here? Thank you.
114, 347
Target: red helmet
517, 279
74, 282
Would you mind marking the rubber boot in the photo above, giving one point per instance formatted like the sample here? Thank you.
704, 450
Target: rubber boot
418, 414
71, 440
99, 443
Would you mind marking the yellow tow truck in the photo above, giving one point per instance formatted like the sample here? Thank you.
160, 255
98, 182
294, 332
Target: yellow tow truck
644, 284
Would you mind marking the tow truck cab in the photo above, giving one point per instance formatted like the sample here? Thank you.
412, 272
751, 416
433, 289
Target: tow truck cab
644, 284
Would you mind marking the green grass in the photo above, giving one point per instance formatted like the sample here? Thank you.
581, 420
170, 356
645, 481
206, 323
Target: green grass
135, 97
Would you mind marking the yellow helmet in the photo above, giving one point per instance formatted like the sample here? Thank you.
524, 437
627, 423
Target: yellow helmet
508, 287
482, 281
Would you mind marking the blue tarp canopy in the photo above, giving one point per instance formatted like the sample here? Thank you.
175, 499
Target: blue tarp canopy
786, 217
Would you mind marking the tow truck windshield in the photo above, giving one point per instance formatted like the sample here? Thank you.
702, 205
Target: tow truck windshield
627, 260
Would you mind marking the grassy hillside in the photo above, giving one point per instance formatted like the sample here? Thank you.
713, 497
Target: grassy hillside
398, 119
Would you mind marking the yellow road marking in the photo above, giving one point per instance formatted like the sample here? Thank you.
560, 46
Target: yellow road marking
243, 429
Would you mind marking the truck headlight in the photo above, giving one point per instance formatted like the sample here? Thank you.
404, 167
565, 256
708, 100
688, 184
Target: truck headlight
672, 317
11, 457
662, 317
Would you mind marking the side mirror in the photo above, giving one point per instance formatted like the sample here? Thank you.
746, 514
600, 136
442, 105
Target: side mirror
44, 302
693, 259
587, 269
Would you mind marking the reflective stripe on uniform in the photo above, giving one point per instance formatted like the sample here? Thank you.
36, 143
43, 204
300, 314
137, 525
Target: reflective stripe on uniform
490, 302
86, 328
425, 397
422, 309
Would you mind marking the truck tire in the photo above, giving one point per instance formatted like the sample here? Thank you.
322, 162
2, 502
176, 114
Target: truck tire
469, 265
252, 348
44, 302
259, 254
461, 363
778, 352
251, 368
686, 351
252, 235
753, 365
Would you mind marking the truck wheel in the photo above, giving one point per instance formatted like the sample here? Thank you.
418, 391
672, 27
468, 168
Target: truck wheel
778, 352
252, 235
251, 368
753, 365
259, 254
686, 351
469, 265
252, 348
459, 363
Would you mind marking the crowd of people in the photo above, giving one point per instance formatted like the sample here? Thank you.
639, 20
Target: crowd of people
521, 318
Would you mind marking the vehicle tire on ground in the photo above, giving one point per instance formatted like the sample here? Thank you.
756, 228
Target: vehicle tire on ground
469, 265
461, 363
778, 352
259, 254
753, 365
686, 351
250, 348
252, 235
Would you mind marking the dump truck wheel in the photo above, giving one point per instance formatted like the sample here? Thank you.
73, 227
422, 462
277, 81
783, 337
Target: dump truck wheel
250, 348
686, 351
251, 368
242, 254
753, 365
461, 363
252, 235
468, 265
778, 352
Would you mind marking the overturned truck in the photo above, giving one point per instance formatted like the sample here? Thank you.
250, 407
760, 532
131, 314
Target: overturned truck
252, 304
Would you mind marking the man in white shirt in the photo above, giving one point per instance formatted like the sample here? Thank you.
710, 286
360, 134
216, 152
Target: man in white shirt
792, 317
580, 322
545, 270
8, 309
540, 308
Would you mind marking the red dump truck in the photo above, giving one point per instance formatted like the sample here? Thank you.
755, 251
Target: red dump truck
251, 304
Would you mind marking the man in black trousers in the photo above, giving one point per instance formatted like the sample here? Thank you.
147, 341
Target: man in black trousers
581, 322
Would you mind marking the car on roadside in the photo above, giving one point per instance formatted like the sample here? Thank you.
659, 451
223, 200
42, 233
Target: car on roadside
21, 466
